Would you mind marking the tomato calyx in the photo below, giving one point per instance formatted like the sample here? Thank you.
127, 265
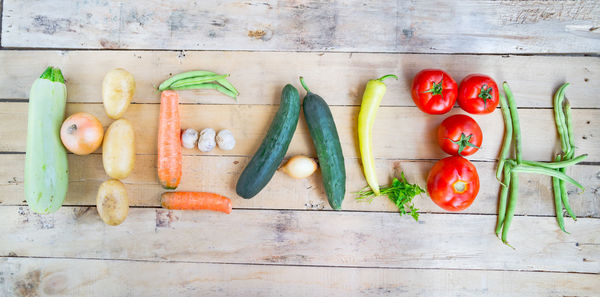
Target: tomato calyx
463, 142
459, 187
485, 93
436, 89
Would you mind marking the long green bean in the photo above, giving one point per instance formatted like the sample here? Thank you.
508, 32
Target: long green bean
546, 171
196, 80
213, 86
558, 206
565, 196
515, 121
508, 130
569, 124
512, 204
502, 200
167, 83
557, 164
559, 117
225, 83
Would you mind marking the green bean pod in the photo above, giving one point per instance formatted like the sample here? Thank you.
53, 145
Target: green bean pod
565, 196
541, 170
197, 73
559, 117
512, 204
225, 83
558, 206
502, 201
569, 124
557, 164
515, 121
508, 131
196, 80
213, 86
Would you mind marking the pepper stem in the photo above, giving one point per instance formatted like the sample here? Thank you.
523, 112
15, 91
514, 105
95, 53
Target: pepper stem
304, 84
386, 76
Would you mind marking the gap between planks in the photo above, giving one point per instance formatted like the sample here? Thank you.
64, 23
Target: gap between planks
286, 265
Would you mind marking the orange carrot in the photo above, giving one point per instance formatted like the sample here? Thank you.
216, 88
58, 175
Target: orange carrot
195, 201
169, 143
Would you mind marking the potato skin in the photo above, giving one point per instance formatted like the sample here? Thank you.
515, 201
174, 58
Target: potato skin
118, 149
112, 202
118, 87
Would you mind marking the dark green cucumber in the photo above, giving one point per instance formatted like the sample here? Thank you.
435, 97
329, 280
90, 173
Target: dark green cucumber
267, 159
327, 144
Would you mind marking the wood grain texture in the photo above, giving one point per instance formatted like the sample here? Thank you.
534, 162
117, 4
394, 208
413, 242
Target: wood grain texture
399, 132
86, 174
76, 277
304, 238
338, 77
374, 26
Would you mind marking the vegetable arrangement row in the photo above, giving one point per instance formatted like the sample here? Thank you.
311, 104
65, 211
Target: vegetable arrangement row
452, 183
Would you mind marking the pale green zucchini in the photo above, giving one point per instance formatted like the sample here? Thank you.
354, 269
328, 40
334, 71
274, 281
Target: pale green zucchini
46, 169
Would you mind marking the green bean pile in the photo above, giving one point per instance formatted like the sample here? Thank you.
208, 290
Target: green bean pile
200, 79
508, 169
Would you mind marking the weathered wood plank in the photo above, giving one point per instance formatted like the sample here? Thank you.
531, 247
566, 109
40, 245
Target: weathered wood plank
304, 238
376, 26
87, 173
338, 77
77, 277
399, 132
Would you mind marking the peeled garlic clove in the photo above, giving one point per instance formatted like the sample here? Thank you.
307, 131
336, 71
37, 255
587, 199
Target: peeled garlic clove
225, 140
189, 138
206, 143
299, 167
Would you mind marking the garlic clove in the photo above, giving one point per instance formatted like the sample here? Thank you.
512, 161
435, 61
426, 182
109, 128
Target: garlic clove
189, 138
225, 140
207, 143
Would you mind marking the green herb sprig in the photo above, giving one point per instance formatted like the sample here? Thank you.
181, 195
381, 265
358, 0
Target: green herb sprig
401, 192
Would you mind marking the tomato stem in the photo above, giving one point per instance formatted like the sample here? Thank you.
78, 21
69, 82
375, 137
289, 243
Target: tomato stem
485, 93
463, 142
436, 89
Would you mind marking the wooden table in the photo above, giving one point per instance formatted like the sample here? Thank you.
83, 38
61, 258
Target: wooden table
287, 241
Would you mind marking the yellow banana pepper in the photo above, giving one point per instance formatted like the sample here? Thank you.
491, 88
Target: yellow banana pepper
374, 92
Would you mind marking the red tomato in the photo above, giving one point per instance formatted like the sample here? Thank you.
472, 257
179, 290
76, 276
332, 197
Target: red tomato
459, 135
453, 183
478, 94
434, 91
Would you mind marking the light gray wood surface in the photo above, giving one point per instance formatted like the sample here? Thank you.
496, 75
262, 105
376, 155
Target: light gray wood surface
322, 238
287, 241
339, 77
355, 26
82, 277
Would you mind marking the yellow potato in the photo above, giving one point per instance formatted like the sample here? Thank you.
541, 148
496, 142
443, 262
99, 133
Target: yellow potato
118, 87
118, 149
112, 202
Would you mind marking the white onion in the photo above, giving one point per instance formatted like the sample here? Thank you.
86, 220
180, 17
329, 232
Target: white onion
299, 167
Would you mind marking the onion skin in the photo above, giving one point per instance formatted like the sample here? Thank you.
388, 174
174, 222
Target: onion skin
299, 167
